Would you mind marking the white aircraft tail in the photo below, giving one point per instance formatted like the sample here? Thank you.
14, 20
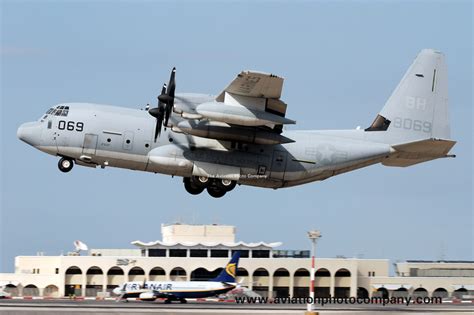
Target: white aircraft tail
415, 118
418, 107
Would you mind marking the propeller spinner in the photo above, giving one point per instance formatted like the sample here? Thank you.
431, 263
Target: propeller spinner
165, 104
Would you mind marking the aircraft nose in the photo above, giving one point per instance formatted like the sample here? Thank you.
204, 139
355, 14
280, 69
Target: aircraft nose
116, 291
29, 133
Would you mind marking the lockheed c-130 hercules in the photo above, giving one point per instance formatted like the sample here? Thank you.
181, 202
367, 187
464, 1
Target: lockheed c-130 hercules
237, 137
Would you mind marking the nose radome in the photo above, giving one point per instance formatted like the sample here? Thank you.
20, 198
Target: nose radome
29, 133
20, 133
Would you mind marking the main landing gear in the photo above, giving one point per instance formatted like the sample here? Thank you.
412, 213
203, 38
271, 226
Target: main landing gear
65, 164
216, 187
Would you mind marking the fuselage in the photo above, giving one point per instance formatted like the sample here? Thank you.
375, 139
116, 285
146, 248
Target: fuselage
176, 289
102, 135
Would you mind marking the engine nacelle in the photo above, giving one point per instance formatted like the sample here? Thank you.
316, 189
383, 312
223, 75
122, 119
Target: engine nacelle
147, 296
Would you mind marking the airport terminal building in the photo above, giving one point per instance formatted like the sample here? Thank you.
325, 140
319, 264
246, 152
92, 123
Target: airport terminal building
198, 252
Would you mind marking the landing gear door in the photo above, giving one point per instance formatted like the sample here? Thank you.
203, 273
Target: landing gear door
278, 164
90, 144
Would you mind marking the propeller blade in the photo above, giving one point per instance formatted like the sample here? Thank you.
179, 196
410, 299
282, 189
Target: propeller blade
170, 95
159, 113
172, 83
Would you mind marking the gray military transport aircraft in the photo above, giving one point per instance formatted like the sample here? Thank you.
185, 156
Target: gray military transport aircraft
237, 137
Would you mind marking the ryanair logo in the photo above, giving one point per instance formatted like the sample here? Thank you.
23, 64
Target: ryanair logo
230, 269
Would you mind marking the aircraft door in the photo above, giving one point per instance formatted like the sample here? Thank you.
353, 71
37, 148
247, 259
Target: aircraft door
90, 144
128, 140
278, 164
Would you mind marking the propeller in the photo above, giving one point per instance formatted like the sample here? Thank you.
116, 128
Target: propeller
163, 111
168, 98
159, 113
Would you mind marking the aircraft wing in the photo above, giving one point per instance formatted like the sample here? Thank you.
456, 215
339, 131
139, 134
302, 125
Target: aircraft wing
259, 92
254, 84
248, 110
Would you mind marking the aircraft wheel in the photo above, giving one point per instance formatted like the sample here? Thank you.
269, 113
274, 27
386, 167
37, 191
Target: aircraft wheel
167, 301
226, 184
216, 192
192, 188
200, 181
65, 165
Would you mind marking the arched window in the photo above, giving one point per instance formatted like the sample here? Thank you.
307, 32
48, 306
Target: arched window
420, 292
322, 272
440, 292
343, 273
30, 290
178, 274
73, 270
261, 272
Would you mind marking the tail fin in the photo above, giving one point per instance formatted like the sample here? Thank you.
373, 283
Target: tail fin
229, 272
418, 108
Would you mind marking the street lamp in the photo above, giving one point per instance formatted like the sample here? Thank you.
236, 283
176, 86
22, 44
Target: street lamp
313, 235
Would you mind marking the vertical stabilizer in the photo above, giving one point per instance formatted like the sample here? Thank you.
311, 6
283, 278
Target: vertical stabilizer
418, 107
228, 274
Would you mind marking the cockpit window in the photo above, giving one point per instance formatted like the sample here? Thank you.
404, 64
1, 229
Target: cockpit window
59, 111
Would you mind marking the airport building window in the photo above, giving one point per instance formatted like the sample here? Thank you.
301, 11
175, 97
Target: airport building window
260, 254
56, 271
198, 252
291, 254
156, 252
219, 253
243, 253
178, 252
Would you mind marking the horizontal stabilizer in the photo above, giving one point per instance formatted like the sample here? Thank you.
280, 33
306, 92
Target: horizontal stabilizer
419, 151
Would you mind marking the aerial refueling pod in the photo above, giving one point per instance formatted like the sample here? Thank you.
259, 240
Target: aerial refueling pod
239, 115
223, 131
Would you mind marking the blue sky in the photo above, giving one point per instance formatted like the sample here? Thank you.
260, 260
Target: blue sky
340, 59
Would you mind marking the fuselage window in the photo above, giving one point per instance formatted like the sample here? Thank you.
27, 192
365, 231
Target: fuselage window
50, 123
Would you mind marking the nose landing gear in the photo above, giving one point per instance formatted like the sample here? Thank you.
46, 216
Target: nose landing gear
215, 187
65, 164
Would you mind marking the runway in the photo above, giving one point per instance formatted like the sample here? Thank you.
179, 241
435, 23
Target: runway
59, 307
